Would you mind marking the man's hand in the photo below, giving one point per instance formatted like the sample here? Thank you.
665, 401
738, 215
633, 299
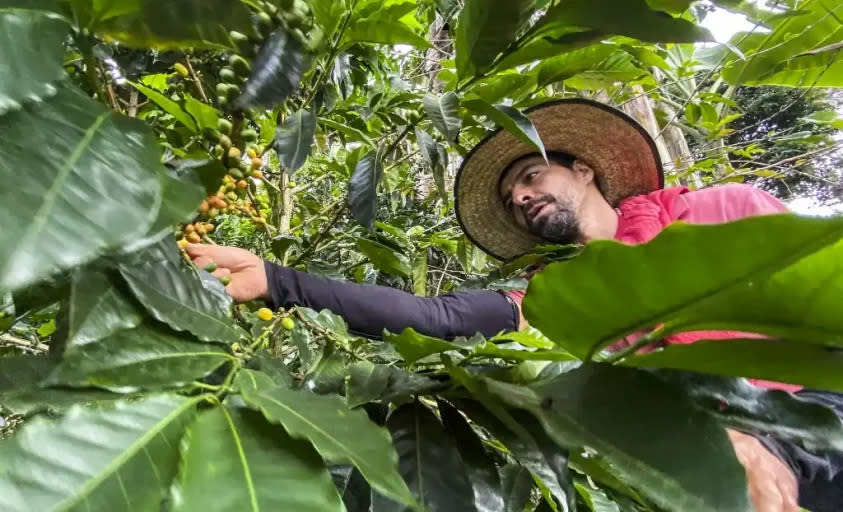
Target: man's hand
245, 270
772, 485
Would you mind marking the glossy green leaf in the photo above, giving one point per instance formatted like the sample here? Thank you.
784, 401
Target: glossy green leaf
326, 320
276, 72
91, 185
812, 366
486, 29
595, 498
385, 259
208, 172
100, 305
529, 337
589, 68
141, 358
294, 138
339, 434
206, 116
802, 419
178, 24
575, 24
414, 346
706, 290
327, 375
489, 349
510, 119
420, 274
436, 157
169, 106
175, 295
444, 112
127, 465
384, 31
635, 407
367, 382
181, 195
363, 189
482, 472
517, 486
428, 461
799, 51
530, 445
31, 56
251, 465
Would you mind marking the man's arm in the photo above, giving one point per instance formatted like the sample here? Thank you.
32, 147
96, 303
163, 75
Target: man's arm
368, 309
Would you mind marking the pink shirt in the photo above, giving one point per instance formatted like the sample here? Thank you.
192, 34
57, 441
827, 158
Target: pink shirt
642, 217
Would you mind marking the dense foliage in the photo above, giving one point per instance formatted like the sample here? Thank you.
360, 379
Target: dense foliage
324, 135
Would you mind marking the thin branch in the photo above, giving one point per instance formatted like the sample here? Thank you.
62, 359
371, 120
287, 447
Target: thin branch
196, 80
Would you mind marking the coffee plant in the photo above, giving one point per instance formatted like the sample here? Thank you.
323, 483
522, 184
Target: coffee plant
323, 134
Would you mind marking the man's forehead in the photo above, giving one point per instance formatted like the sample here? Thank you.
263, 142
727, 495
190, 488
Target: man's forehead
518, 166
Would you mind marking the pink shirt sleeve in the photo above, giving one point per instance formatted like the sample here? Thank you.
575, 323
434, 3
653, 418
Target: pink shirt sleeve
725, 203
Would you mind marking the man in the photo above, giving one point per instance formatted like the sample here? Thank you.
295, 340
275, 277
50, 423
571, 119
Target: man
604, 181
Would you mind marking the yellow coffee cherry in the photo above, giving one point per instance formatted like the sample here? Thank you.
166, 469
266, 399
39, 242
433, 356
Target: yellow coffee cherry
265, 314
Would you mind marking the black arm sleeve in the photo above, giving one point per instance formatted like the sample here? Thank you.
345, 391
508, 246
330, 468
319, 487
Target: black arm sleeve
370, 309
810, 466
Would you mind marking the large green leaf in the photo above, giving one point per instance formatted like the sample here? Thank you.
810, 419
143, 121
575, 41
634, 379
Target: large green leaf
169, 106
812, 366
482, 473
205, 115
646, 430
485, 29
414, 346
436, 157
363, 189
21, 391
590, 67
126, 465
276, 72
100, 305
177, 24
182, 186
250, 465
384, 258
799, 51
517, 484
141, 358
530, 446
338, 433
573, 24
367, 382
31, 56
428, 461
86, 181
510, 119
175, 295
385, 31
613, 289
737, 403
294, 138
444, 112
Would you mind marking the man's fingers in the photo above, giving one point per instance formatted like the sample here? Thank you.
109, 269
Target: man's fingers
222, 272
196, 250
202, 261
789, 488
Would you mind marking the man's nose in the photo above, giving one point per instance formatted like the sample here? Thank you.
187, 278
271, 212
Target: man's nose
521, 196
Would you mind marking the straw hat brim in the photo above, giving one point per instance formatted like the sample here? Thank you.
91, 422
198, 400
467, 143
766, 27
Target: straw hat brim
622, 154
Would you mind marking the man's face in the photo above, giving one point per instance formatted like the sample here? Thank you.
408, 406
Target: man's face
544, 200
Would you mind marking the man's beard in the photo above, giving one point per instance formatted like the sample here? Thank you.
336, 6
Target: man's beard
560, 226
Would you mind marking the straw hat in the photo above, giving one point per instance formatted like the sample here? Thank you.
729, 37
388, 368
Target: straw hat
621, 152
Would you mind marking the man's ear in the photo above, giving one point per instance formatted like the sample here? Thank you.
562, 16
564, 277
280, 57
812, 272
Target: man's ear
582, 171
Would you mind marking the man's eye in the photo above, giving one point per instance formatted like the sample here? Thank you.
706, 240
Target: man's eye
530, 175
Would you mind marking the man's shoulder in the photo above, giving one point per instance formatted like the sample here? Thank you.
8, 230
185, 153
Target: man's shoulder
723, 203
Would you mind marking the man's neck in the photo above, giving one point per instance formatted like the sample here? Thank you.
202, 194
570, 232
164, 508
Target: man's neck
598, 220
